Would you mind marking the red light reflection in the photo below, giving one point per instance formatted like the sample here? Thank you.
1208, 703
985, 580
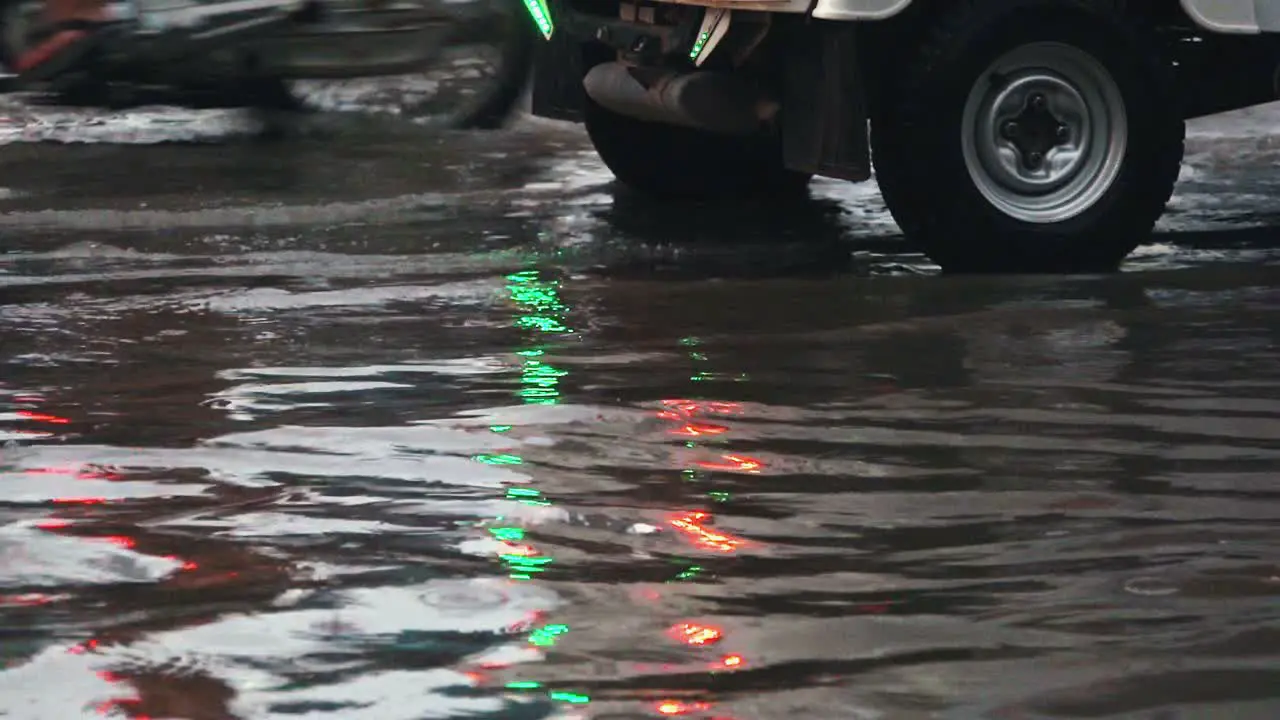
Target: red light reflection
84, 647
677, 707
123, 541
27, 600
699, 430
129, 704
691, 525
731, 661
187, 565
51, 471
531, 619
692, 634
109, 706
739, 463
79, 472
42, 417
510, 548
690, 407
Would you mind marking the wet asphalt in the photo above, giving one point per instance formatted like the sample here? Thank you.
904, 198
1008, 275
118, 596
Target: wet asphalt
160, 178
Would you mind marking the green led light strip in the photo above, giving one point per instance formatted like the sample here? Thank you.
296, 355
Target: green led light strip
709, 31
698, 45
541, 16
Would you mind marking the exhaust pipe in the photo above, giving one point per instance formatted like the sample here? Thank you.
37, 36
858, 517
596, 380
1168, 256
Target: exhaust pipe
702, 100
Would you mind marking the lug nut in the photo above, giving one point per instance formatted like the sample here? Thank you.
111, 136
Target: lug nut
1009, 130
1038, 102
1034, 159
1063, 133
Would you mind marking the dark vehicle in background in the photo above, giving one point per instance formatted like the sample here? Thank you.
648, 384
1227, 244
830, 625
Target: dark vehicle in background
249, 52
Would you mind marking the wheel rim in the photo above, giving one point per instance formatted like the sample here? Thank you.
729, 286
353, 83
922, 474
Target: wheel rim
1044, 133
480, 57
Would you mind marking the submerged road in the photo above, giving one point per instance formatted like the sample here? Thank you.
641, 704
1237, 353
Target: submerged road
73, 176
385, 424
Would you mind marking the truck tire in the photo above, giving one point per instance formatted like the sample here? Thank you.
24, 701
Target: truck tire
1029, 136
672, 162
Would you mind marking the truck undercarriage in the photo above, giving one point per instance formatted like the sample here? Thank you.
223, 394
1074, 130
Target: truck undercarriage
1059, 105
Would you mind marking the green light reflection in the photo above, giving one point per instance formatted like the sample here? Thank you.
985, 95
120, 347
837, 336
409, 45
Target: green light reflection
542, 312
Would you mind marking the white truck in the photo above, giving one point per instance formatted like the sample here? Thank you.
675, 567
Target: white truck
1006, 135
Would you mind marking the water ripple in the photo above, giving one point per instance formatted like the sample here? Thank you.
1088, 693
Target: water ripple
385, 478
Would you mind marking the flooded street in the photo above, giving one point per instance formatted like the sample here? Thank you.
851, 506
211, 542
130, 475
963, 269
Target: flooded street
382, 424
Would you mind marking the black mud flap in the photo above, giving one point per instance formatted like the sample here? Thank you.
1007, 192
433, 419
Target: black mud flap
558, 69
829, 136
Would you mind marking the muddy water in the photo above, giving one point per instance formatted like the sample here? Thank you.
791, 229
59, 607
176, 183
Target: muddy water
451, 429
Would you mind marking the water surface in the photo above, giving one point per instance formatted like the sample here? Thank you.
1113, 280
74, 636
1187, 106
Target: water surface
514, 447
